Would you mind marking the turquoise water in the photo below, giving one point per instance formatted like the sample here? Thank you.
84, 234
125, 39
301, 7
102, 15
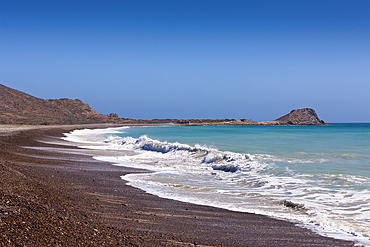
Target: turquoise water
345, 147
324, 171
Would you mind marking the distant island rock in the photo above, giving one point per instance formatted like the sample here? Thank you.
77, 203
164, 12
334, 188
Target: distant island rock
17, 107
305, 116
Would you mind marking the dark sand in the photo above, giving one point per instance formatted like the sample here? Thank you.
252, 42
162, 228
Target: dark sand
58, 199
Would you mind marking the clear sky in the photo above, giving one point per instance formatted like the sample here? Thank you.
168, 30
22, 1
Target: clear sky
192, 58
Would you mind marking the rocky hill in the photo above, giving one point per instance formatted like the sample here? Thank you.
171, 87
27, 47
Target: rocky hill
19, 107
305, 116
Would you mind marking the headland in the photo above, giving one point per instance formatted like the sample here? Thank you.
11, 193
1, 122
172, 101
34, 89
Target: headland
17, 107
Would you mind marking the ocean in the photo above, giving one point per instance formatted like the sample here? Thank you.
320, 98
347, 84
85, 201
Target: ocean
315, 176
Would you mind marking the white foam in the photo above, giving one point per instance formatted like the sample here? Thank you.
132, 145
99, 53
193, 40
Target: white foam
91, 136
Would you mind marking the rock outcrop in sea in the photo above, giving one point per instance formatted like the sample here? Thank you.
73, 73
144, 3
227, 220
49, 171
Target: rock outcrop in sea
305, 116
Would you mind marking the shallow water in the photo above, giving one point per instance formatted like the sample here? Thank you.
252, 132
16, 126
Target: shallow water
318, 176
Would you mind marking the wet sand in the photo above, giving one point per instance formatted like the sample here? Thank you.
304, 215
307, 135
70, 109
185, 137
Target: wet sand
52, 198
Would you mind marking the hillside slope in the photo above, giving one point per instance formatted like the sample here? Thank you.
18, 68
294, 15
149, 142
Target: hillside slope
19, 107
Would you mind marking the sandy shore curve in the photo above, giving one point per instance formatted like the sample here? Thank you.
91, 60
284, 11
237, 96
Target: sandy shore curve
51, 197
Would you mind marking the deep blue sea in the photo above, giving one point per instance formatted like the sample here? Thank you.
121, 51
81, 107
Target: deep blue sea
317, 176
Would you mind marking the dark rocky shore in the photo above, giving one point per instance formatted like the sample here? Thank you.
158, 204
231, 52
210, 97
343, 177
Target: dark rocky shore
58, 199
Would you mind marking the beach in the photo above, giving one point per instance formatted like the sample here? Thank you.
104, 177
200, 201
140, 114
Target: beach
63, 198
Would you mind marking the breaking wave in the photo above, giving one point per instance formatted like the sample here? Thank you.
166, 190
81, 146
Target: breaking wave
218, 160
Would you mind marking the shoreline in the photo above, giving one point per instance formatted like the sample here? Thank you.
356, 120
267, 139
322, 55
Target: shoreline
93, 206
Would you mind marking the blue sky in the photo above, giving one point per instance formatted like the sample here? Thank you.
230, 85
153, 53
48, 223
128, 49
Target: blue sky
192, 58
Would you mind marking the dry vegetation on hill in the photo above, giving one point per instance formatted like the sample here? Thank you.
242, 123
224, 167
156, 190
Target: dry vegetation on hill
19, 107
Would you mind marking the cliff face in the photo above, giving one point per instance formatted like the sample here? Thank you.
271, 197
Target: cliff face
19, 107
305, 116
